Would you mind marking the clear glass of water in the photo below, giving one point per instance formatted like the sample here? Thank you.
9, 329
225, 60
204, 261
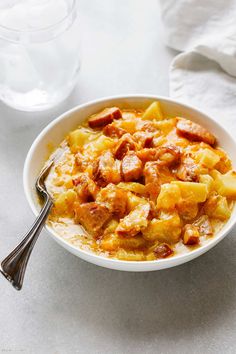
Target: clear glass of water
39, 52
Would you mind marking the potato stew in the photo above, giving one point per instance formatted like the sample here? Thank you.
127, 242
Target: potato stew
142, 186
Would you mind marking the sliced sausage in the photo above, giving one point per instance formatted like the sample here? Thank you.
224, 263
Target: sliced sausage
148, 154
114, 198
194, 131
107, 170
113, 131
125, 144
144, 139
86, 188
105, 117
163, 250
188, 171
92, 216
150, 172
168, 155
131, 167
165, 155
152, 180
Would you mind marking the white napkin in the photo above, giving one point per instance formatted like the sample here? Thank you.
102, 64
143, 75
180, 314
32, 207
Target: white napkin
204, 75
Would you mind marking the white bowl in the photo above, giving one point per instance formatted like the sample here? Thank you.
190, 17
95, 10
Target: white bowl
58, 129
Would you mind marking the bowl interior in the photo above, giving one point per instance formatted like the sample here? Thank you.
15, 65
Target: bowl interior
55, 132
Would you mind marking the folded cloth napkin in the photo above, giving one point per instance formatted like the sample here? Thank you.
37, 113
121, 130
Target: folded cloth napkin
205, 73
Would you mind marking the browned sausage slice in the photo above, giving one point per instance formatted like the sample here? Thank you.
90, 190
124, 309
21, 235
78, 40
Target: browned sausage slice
125, 144
131, 167
194, 131
105, 117
107, 170
114, 198
113, 131
92, 216
163, 250
86, 188
144, 139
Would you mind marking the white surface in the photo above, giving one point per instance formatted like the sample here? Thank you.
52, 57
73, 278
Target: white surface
205, 31
55, 132
70, 306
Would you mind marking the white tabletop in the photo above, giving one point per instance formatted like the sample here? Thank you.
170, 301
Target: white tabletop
68, 305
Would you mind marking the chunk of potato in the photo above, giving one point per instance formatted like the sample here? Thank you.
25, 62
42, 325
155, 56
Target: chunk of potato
187, 210
133, 187
207, 158
129, 125
166, 229
64, 202
101, 144
134, 222
222, 210
165, 125
153, 112
111, 226
79, 137
208, 181
217, 207
225, 184
169, 196
110, 242
134, 201
192, 191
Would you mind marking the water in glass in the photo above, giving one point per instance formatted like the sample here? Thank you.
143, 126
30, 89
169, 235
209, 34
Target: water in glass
39, 52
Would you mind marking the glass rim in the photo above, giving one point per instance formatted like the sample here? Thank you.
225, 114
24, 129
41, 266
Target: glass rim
42, 29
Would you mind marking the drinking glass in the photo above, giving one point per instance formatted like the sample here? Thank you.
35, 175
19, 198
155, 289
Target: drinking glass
39, 52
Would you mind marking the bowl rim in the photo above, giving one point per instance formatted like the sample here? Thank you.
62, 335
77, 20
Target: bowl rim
113, 263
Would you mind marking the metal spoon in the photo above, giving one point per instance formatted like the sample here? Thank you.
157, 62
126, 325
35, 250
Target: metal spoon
13, 267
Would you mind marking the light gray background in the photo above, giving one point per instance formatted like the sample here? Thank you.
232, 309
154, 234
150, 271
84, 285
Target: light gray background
68, 305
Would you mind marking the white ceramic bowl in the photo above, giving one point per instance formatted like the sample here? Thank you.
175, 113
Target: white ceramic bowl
58, 129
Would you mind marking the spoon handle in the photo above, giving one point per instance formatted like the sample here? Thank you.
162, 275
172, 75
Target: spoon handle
14, 265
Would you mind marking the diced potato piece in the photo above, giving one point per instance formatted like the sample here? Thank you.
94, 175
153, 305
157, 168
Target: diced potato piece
187, 210
101, 144
166, 229
134, 222
192, 191
130, 255
151, 256
222, 210
225, 184
133, 187
130, 126
111, 226
207, 158
79, 137
208, 181
113, 241
134, 201
165, 125
132, 243
169, 196
217, 207
64, 203
110, 242
153, 112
